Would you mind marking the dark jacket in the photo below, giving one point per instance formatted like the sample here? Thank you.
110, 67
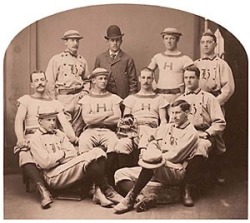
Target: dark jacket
123, 79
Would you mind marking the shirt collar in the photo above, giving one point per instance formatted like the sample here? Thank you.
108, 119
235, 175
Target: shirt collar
183, 126
72, 54
44, 132
187, 92
110, 53
211, 57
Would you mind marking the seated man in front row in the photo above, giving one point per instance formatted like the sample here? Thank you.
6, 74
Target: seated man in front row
143, 111
101, 113
60, 164
177, 141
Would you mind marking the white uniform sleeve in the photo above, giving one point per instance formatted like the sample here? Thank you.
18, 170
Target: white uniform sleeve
227, 83
51, 73
129, 101
218, 123
153, 64
163, 102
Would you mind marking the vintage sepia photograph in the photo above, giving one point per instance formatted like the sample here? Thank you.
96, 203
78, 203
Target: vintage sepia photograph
125, 111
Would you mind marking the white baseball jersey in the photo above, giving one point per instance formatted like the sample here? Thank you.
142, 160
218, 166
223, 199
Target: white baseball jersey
98, 135
145, 108
205, 112
66, 71
171, 69
216, 77
32, 105
99, 103
176, 143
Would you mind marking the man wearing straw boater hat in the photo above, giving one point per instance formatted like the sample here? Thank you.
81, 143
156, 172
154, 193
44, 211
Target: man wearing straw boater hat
101, 113
170, 63
122, 78
66, 74
163, 160
60, 163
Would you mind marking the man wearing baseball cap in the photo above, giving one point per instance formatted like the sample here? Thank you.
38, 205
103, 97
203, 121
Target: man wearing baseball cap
66, 74
122, 79
171, 64
60, 163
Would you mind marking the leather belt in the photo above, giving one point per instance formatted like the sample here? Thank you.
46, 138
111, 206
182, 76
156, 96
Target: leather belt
112, 128
150, 124
69, 91
168, 91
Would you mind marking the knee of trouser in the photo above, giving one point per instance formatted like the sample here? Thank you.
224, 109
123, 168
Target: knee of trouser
121, 175
82, 144
203, 147
98, 152
124, 146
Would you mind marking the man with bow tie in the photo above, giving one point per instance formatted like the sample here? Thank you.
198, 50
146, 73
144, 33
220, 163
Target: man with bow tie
67, 73
207, 117
216, 75
60, 163
123, 80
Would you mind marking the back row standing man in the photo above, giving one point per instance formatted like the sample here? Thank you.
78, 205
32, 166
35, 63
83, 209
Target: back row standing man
171, 64
122, 79
66, 74
217, 79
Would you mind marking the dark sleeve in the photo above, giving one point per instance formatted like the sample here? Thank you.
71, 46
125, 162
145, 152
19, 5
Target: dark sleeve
133, 80
97, 62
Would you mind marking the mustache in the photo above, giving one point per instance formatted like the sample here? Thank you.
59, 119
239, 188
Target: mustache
40, 85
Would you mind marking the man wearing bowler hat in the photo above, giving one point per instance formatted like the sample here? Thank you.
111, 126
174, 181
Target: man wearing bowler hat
66, 74
122, 73
171, 64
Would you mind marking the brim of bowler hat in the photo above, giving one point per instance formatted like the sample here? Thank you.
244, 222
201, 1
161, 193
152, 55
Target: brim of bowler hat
150, 165
113, 37
72, 37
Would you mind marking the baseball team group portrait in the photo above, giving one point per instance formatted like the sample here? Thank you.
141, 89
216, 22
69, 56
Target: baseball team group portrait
125, 112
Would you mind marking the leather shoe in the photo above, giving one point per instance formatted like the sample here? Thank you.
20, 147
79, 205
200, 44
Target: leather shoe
112, 195
99, 198
126, 204
187, 198
46, 198
146, 202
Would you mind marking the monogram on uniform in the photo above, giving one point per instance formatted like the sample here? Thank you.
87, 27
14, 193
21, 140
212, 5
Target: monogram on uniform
145, 106
101, 107
170, 66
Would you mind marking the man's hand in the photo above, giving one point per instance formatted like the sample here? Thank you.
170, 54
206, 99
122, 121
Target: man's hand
83, 93
22, 143
203, 135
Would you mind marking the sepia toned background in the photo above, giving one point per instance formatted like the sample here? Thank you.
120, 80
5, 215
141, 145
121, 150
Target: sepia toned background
36, 44
33, 47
